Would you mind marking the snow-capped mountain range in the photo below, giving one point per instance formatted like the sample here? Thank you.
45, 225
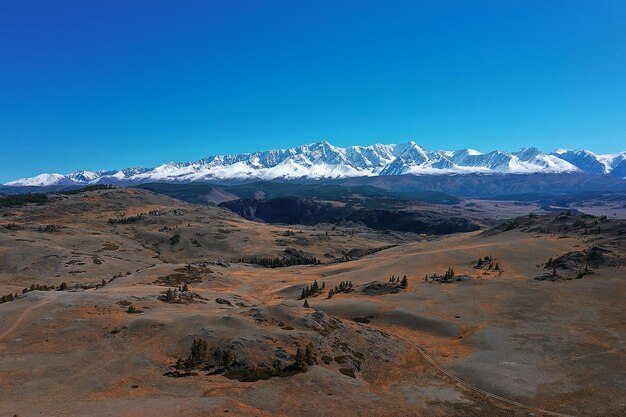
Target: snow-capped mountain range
321, 160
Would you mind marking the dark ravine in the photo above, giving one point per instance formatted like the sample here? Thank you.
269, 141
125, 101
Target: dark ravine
294, 210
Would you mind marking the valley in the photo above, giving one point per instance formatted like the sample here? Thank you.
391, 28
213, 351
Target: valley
170, 306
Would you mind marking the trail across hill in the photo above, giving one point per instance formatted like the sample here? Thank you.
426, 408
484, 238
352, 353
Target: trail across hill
21, 318
473, 387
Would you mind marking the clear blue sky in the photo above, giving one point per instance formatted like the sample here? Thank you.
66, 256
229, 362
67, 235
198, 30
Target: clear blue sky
110, 84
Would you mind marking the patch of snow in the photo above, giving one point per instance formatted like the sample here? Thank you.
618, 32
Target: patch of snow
324, 160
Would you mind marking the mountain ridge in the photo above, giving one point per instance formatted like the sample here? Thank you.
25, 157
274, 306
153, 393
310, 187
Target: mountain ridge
322, 160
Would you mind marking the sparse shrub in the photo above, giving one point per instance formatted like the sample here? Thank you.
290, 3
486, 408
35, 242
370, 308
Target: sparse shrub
38, 287
133, 310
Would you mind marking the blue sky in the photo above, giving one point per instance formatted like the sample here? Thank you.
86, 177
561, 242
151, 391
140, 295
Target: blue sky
104, 85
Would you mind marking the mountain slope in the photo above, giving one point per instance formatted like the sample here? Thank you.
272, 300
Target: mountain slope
322, 160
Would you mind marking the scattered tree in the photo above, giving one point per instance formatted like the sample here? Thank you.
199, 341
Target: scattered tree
299, 361
198, 354
133, 310
280, 262
126, 220
20, 199
405, 282
311, 291
511, 224
8, 297
308, 354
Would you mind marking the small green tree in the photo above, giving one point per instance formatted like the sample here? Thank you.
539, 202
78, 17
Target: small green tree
306, 304
228, 358
449, 274
299, 360
405, 282
276, 367
198, 354
308, 354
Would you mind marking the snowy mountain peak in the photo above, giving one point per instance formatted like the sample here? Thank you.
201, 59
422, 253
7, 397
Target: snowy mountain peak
323, 160
526, 154
584, 160
42, 180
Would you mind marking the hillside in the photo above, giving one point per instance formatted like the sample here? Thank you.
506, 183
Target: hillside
202, 324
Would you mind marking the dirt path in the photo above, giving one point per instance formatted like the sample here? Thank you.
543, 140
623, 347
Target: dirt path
21, 318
